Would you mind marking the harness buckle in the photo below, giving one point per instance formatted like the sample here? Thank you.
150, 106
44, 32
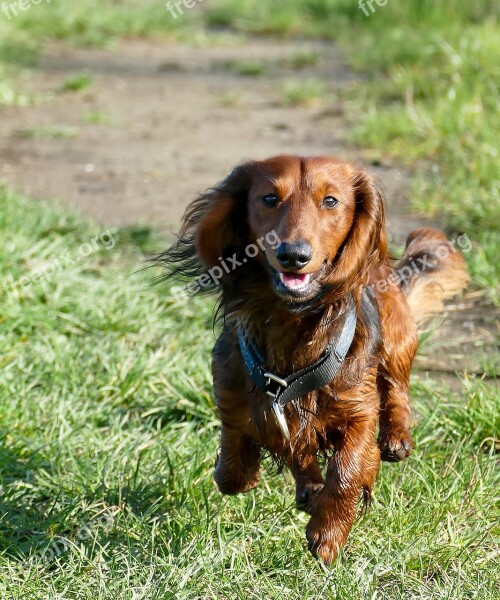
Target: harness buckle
279, 413
272, 377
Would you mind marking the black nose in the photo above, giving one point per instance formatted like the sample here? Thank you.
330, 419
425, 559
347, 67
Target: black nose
294, 256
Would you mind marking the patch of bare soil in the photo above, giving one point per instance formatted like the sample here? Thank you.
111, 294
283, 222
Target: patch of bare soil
176, 119
161, 122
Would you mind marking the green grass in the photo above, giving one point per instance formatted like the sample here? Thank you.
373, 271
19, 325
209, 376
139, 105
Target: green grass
439, 107
108, 438
15, 57
96, 117
76, 83
246, 68
50, 132
303, 59
90, 22
299, 93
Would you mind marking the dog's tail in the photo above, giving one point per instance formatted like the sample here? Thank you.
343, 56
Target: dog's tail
432, 270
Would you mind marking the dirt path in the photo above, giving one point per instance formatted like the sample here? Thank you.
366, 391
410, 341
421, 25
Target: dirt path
160, 122
177, 118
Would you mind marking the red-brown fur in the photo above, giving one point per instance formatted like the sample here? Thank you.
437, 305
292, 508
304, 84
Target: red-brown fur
372, 389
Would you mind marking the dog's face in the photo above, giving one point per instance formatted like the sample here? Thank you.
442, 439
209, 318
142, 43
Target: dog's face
319, 222
310, 206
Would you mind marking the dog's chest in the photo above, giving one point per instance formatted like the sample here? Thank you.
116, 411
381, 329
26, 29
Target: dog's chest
311, 422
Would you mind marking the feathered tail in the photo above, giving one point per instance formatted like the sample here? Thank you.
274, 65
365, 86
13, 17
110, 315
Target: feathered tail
432, 270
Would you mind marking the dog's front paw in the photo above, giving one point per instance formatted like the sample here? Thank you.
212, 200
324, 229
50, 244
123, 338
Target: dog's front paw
324, 542
395, 444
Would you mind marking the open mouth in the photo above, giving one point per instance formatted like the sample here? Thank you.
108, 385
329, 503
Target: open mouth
297, 286
295, 281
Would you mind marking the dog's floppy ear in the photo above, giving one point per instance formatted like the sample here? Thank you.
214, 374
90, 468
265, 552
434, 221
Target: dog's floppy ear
366, 243
214, 225
222, 228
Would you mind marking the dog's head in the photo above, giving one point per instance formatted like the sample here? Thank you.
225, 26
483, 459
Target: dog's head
315, 224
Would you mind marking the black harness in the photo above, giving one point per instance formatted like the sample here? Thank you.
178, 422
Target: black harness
313, 377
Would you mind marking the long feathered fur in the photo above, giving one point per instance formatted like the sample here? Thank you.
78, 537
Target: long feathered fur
431, 271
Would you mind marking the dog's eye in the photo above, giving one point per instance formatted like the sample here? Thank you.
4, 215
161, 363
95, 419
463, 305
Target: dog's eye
329, 202
270, 200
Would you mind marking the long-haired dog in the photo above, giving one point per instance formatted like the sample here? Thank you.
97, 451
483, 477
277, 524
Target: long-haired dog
319, 328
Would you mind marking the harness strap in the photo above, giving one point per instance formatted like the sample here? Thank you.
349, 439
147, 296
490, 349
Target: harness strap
308, 379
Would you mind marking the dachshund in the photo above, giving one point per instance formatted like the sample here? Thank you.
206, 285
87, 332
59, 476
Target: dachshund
319, 328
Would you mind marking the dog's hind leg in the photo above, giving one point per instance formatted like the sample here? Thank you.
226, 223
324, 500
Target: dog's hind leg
308, 479
399, 333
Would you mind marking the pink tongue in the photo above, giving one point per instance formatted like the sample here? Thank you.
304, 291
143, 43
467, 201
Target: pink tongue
295, 280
